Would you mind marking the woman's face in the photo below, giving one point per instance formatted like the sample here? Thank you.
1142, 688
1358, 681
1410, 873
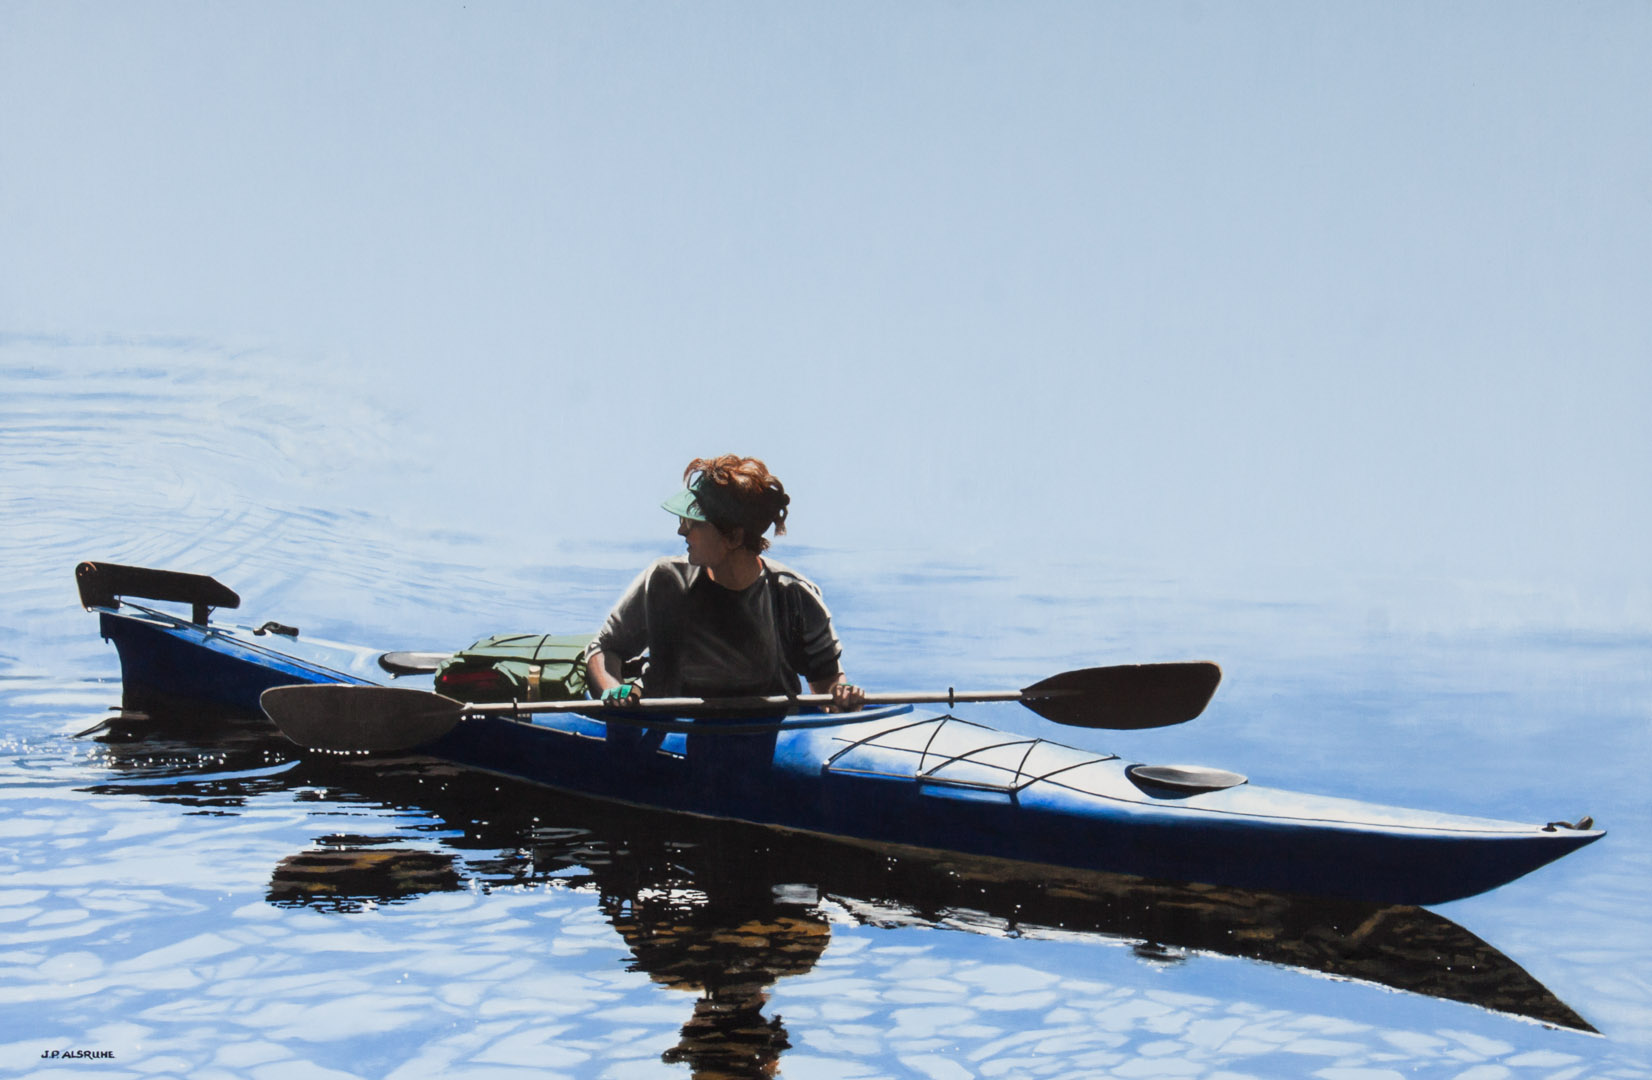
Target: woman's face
706, 545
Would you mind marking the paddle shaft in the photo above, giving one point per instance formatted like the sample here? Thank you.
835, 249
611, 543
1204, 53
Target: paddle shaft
679, 705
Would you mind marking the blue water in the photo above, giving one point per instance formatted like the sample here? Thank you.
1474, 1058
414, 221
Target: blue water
211, 904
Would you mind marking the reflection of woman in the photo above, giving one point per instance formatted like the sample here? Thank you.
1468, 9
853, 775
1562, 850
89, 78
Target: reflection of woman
720, 620
730, 951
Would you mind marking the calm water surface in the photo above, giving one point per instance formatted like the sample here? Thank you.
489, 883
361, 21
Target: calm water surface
197, 899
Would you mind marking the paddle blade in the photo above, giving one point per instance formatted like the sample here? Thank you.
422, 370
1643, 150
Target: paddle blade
1125, 697
334, 716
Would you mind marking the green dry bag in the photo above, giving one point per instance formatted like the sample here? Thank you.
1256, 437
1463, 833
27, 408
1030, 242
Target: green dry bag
517, 667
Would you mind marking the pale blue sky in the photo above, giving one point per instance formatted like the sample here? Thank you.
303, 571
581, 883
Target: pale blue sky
1358, 287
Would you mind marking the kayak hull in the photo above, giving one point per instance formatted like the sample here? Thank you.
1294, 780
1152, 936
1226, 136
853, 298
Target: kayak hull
1076, 809
899, 776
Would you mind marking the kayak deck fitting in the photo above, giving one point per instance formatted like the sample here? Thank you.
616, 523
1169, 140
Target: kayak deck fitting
883, 776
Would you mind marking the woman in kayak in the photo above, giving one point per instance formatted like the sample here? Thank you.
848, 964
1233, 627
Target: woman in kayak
720, 620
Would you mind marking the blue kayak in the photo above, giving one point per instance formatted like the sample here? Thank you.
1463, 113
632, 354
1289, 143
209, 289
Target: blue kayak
885, 776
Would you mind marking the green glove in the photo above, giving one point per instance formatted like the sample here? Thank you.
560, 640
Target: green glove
623, 694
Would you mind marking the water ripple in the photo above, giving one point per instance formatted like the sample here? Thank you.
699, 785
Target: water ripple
217, 905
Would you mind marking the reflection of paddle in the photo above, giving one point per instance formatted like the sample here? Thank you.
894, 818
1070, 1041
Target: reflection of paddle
351, 876
333, 716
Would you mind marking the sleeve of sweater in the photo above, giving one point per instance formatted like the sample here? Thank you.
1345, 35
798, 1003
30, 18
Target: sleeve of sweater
813, 643
625, 632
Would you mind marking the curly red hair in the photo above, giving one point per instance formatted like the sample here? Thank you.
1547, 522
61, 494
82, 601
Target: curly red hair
739, 493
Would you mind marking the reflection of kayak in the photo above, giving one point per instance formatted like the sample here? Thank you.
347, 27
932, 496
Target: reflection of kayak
716, 906
893, 776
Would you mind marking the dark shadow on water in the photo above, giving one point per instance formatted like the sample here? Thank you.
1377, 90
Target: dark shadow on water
724, 910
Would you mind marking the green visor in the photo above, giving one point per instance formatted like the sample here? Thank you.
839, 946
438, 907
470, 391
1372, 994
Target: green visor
684, 504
